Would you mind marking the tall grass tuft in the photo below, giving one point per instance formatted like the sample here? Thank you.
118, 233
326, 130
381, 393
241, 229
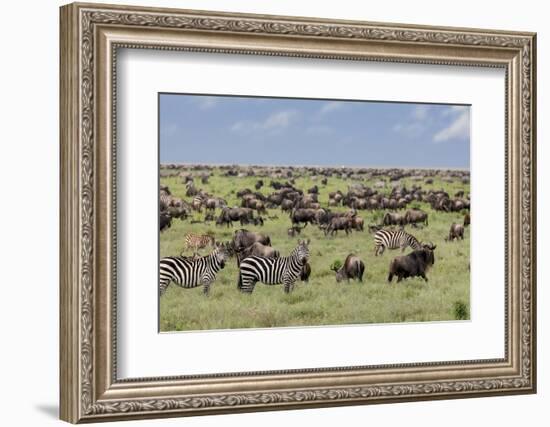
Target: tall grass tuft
460, 310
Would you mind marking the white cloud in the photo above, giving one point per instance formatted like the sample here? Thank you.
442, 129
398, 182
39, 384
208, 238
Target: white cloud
330, 107
280, 119
412, 127
415, 122
318, 130
420, 112
454, 109
459, 128
274, 122
207, 102
239, 126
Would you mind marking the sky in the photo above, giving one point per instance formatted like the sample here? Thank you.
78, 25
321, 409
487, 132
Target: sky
285, 131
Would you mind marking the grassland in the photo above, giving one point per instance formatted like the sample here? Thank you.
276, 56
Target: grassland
322, 301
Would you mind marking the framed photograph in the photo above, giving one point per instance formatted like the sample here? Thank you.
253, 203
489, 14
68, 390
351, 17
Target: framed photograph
267, 212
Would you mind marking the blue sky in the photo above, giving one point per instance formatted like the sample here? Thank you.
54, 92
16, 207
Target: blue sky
282, 131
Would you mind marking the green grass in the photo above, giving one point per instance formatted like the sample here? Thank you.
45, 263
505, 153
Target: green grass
322, 301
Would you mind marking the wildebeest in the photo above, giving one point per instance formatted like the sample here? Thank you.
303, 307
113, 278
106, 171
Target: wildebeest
414, 216
212, 203
243, 192
298, 216
392, 218
250, 201
414, 264
243, 239
313, 190
455, 232
467, 219
287, 205
338, 223
259, 221
353, 268
165, 221
228, 215
357, 223
257, 249
306, 272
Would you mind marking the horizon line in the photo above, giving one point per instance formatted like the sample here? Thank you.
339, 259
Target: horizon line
318, 166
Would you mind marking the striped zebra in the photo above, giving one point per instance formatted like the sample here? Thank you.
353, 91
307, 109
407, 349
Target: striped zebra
273, 271
393, 239
198, 241
190, 272
165, 200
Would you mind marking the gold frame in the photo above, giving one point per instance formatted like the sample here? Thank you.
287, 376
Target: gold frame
90, 36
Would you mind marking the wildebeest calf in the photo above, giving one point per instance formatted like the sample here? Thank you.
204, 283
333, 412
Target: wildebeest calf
353, 268
414, 264
456, 232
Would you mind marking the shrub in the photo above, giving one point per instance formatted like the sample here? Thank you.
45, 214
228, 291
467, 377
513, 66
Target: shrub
461, 311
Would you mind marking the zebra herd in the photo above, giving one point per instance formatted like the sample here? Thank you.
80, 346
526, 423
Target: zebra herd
190, 272
194, 271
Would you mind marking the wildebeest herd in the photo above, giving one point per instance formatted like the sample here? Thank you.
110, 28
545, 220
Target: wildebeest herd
275, 222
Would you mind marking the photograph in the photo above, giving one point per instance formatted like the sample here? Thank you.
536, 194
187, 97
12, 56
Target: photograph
267, 212
291, 212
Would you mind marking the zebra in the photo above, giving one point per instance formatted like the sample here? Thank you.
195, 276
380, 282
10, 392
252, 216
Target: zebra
190, 272
393, 239
165, 200
198, 241
198, 201
273, 271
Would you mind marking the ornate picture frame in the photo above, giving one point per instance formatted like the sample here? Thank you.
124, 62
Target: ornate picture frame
90, 37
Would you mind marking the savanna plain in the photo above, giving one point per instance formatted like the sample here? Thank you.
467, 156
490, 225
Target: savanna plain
321, 300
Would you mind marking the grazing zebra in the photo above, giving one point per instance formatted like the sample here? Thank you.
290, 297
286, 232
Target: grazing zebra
273, 271
190, 272
198, 241
393, 239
